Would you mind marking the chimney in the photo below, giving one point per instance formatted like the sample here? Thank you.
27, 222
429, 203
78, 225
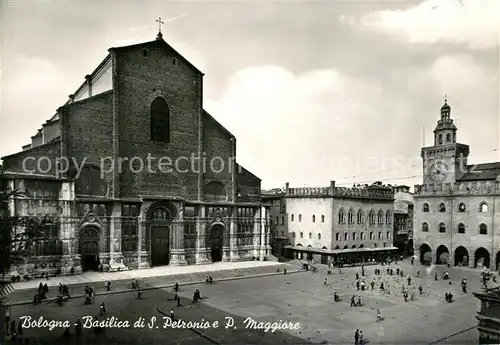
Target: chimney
71, 98
287, 187
332, 186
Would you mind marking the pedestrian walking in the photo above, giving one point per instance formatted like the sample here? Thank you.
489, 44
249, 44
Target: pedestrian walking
356, 337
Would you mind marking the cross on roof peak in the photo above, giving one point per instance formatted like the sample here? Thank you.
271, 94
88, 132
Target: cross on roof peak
160, 22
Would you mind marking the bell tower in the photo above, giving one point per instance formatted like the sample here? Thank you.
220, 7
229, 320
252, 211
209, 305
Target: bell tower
446, 160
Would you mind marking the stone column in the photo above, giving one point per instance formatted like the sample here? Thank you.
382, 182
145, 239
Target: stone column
115, 240
233, 240
142, 252
257, 234
201, 249
177, 254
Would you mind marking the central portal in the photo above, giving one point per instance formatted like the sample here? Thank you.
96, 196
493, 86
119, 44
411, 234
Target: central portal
89, 248
160, 245
216, 239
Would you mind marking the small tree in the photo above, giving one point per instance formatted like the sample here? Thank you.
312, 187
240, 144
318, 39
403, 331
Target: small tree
17, 235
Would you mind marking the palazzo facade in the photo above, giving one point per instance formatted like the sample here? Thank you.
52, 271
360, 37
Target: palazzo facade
456, 207
133, 173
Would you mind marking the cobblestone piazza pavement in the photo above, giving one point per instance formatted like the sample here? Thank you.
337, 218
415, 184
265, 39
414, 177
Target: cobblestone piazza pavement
301, 298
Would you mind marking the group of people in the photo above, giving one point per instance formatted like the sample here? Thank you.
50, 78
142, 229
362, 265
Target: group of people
41, 295
89, 294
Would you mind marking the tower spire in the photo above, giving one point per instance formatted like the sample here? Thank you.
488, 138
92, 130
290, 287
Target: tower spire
160, 22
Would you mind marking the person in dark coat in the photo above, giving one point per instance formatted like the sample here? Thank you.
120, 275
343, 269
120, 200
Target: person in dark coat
356, 337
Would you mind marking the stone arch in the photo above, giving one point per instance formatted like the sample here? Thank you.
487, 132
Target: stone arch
346, 247
337, 247
350, 216
215, 190
425, 207
217, 231
361, 246
481, 257
483, 207
309, 246
341, 216
424, 248
360, 216
160, 120
371, 217
353, 246
442, 255
89, 239
299, 245
154, 212
461, 256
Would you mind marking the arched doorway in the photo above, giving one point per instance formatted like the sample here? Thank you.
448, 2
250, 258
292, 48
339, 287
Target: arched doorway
481, 258
346, 247
442, 255
161, 220
425, 258
361, 246
461, 257
89, 248
497, 261
216, 239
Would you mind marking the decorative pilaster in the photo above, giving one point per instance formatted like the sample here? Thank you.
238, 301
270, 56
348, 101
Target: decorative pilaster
115, 237
266, 246
233, 226
142, 253
201, 249
68, 230
177, 254
257, 234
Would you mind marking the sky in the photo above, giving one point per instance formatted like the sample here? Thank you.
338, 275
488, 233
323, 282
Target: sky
313, 91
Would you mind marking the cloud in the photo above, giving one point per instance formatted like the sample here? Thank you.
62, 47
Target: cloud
324, 125
475, 23
36, 88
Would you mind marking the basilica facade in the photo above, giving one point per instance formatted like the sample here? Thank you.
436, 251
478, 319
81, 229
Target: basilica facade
134, 173
456, 207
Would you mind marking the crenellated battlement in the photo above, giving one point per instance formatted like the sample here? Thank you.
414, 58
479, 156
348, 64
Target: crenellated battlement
459, 188
375, 191
312, 192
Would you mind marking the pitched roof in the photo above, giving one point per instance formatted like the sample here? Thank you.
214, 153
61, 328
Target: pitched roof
155, 42
481, 172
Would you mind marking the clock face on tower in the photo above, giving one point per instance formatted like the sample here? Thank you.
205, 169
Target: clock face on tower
439, 172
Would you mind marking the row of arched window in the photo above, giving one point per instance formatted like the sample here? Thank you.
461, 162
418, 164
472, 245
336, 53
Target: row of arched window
483, 207
351, 219
482, 229
302, 235
362, 236
292, 218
